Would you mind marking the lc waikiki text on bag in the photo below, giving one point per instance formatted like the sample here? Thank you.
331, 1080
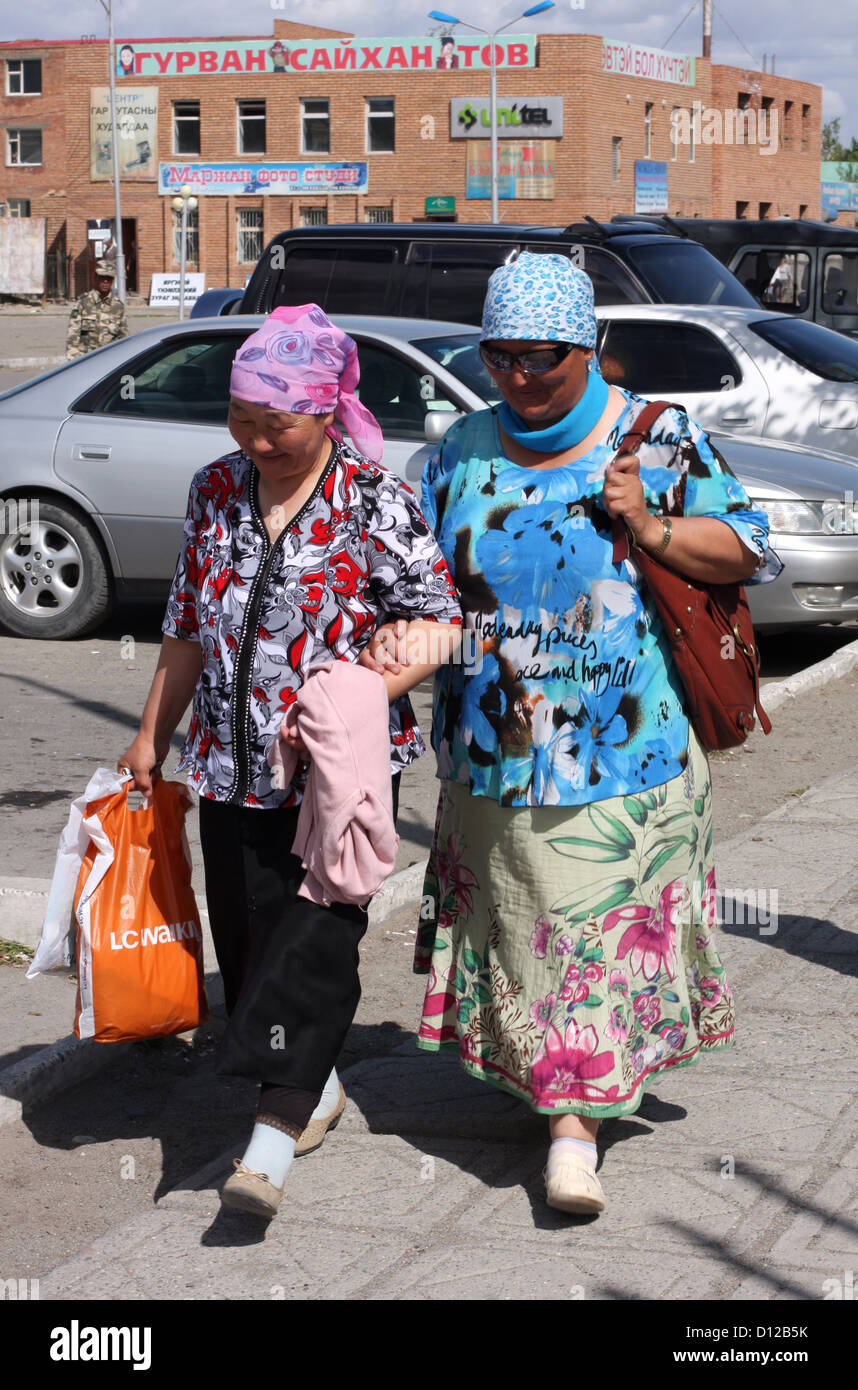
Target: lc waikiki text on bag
122, 882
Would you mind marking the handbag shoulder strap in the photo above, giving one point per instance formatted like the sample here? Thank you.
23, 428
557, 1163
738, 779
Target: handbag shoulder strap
629, 444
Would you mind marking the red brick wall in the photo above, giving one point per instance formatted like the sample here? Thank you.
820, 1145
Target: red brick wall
595, 110
45, 185
785, 180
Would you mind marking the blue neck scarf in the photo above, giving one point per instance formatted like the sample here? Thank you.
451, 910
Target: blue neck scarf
565, 433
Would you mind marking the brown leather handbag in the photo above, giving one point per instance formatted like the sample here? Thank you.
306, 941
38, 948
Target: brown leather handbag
708, 627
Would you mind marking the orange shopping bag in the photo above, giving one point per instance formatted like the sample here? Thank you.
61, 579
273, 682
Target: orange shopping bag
139, 943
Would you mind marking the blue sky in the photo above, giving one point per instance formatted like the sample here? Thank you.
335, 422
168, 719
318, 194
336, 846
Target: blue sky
828, 54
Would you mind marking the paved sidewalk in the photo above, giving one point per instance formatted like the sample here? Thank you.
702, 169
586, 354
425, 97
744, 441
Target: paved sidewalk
737, 1178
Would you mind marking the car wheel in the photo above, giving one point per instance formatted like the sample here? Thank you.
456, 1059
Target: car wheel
54, 581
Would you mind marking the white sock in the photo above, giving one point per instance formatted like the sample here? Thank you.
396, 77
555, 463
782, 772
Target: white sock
329, 1099
270, 1151
580, 1147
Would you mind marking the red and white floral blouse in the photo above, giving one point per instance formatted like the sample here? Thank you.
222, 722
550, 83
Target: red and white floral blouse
357, 553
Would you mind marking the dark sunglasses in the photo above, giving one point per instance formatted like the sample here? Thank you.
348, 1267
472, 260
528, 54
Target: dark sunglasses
536, 361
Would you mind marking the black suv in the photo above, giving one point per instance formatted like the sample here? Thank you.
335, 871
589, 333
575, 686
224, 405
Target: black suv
818, 279
419, 270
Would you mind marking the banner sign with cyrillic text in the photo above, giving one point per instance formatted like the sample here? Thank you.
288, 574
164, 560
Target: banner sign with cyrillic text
525, 169
176, 59
223, 179
651, 185
137, 119
634, 60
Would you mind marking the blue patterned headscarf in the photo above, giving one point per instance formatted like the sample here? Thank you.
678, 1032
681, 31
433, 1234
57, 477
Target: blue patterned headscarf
541, 299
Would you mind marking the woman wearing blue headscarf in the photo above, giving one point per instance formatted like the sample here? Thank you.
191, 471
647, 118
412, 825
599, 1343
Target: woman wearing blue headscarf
570, 953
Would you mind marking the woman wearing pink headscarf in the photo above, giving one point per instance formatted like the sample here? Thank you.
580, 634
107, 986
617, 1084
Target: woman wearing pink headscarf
294, 546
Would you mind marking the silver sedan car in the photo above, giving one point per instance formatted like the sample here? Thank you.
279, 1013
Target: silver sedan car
747, 371
97, 456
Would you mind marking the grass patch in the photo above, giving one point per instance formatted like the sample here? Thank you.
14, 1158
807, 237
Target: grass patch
14, 953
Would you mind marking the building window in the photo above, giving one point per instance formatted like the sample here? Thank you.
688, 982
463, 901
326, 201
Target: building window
742, 209
648, 129
674, 143
743, 104
380, 125
249, 235
314, 217
316, 127
805, 122
788, 105
186, 127
379, 214
18, 207
251, 127
23, 77
765, 211
23, 147
616, 156
192, 236
691, 136
802, 210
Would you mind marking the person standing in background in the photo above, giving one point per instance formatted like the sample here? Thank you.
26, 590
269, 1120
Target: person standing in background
98, 317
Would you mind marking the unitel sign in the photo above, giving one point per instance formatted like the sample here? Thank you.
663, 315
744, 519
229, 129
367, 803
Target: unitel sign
470, 117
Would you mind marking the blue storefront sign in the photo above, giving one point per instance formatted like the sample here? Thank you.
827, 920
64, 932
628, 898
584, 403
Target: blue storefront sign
834, 195
650, 185
220, 180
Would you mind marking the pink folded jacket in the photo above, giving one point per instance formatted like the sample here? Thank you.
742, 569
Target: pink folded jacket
346, 836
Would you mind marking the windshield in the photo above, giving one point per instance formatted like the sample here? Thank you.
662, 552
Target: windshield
682, 272
830, 355
459, 353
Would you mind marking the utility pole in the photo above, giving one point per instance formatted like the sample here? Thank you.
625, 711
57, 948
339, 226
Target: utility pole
114, 127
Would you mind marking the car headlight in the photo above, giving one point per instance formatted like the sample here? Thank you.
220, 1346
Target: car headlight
794, 518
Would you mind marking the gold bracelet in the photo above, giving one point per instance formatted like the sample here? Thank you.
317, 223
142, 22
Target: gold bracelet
666, 528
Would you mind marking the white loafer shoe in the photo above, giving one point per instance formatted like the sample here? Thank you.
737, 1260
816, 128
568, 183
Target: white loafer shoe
572, 1186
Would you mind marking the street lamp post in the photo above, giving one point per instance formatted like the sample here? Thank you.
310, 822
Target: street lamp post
107, 6
493, 108
184, 202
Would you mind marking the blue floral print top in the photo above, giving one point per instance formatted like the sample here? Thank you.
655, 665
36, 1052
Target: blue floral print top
566, 692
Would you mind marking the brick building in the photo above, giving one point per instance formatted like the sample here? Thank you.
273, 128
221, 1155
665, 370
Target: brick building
592, 121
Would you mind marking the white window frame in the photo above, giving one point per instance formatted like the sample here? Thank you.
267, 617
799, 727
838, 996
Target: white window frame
648, 106
256, 116
691, 155
616, 157
14, 207
245, 233
387, 212
315, 116
192, 253
674, 132
12, 138
10, 91
379, 116
187, 118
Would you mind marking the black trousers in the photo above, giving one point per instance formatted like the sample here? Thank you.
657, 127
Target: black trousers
289, 966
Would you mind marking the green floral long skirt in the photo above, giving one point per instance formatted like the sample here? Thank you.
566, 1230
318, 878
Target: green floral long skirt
570, 950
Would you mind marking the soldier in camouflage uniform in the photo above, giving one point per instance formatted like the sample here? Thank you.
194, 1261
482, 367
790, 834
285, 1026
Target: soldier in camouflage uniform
97, 317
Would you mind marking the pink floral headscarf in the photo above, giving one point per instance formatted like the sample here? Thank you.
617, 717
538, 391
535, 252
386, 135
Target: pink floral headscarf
301, 362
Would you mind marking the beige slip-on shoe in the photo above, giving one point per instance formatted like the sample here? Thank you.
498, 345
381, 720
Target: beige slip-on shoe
316, 1130
253, 1192
572, 1186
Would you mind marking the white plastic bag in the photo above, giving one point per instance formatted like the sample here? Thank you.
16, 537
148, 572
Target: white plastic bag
54, 945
